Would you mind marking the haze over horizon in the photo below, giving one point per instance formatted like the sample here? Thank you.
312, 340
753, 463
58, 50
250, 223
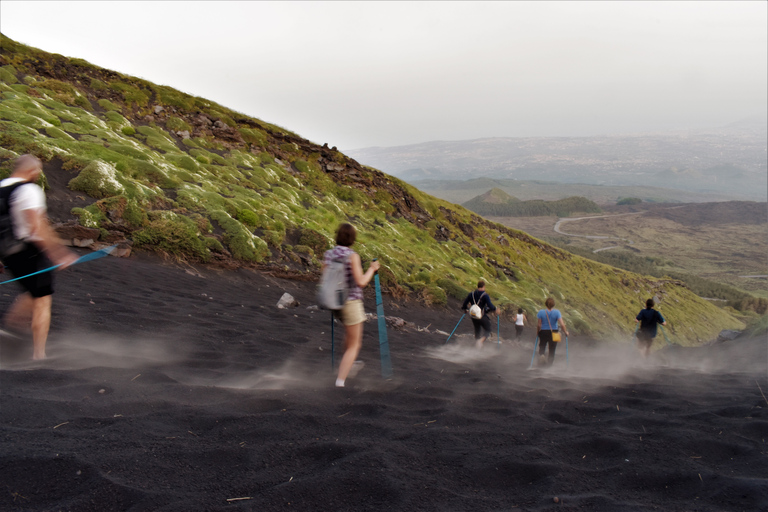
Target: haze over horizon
367, 74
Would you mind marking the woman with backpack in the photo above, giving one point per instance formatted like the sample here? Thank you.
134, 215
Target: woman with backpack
478, 303
352, 314
547, 324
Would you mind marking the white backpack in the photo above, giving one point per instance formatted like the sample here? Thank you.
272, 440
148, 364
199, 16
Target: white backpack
333, 290
474, 310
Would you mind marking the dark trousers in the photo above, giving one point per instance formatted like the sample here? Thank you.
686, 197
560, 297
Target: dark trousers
545, 338
482, 327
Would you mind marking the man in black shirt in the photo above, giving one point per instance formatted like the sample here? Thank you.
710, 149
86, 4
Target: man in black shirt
478, 304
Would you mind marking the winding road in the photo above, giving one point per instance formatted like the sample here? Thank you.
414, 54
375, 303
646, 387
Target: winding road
595, 237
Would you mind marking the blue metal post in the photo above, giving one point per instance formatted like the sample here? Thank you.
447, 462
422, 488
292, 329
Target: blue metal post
386, 361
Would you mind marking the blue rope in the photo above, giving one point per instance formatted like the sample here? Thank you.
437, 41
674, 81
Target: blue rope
498, 336
665, 335
82, 259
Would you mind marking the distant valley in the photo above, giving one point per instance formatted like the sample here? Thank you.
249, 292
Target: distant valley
729, 162
721, 242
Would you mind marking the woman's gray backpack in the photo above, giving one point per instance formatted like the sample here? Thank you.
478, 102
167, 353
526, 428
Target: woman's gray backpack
334, 289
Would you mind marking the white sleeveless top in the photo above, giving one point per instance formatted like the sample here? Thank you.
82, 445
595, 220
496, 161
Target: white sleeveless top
519, 320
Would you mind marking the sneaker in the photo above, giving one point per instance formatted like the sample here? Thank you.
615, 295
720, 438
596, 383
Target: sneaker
542, 360
339, 383
356, 367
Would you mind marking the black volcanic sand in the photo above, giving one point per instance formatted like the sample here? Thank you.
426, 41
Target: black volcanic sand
176, 388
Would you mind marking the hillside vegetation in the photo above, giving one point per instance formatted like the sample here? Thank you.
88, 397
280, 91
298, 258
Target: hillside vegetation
188, 177
498, 203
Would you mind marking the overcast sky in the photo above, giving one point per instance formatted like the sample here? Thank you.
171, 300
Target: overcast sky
359, 74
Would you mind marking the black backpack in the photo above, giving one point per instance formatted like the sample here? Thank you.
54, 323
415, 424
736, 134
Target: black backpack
9, 244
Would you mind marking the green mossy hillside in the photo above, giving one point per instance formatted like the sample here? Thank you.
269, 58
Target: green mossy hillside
193, 179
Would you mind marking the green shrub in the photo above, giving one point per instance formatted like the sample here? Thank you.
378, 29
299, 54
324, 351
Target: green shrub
134, 215
131, 93
115, 117
434, 295
131, 151
98, 85
248, 217
90, 216
241, 243
56, 133
452, 289
128, 130
8, 74
274, 238
83, 102
98, 179
109, 106
173, 234
629, 201
423, 276
212, 244
173, 98
176, 124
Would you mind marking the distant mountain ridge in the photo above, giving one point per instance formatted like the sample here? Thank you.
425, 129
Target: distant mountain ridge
498, 203
460, 191
731, 160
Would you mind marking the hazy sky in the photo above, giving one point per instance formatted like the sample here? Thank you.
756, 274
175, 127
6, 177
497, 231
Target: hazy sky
358, 74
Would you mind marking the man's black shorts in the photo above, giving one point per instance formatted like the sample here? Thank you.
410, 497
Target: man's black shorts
644, 339
484, 323
27, 261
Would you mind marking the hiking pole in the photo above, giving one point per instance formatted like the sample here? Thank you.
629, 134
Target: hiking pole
634, 334
333, 338
386, 361
82, 259
535, 344
454, 329
566, 351
498, 337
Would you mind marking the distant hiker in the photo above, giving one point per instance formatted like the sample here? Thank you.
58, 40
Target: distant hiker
547, 328
520, 321
648, 319
36, 249
478, 304
352, 315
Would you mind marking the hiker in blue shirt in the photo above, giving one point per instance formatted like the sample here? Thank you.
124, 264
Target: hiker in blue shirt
648, 319
547, 328
479, 316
